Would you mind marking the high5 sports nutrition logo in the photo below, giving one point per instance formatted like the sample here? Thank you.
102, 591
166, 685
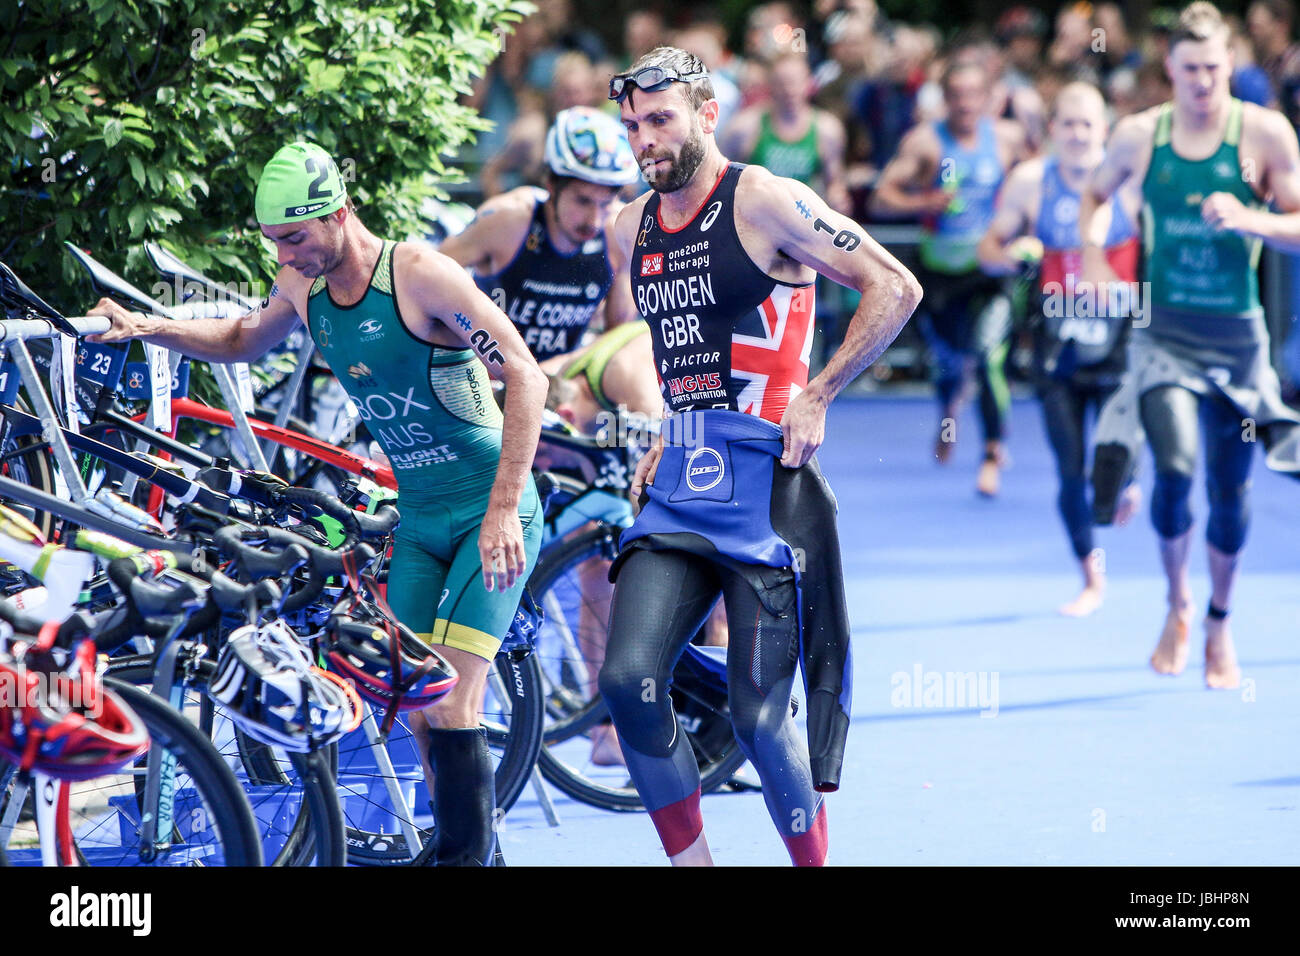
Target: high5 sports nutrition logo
652, 265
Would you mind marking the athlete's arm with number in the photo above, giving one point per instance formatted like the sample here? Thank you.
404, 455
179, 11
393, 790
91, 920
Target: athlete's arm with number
803, 227
209, 340
1280, 178
448, 299
1006, 246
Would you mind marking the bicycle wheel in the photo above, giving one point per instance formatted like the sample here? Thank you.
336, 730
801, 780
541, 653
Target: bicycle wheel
572, 586
382, 785
292, 796
211, 824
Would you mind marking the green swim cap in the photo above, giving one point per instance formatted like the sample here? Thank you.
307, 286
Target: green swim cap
300, 182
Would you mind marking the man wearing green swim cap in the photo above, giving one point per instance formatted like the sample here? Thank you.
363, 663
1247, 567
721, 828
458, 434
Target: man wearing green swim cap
409, 335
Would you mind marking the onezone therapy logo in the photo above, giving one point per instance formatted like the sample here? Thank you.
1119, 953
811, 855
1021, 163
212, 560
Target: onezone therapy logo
592, 290
652, 265
74, 909
704, 469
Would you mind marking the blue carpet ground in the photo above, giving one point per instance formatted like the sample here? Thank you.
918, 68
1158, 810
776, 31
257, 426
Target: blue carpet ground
1051, 741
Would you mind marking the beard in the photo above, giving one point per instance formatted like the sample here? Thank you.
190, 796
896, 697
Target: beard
683, 167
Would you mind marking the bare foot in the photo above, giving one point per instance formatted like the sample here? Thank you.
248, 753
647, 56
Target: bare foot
989, 480
605, 751
1089, 600
1221, 670
1129, 503
1170, 656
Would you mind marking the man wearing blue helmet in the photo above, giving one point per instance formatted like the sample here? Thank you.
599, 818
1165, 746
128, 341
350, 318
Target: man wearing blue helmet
546, 257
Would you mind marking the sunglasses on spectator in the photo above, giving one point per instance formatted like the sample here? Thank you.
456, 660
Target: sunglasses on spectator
650, 79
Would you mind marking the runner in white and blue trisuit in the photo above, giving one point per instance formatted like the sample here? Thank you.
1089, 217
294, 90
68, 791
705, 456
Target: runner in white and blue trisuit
723, 259
544, 256
1079, 339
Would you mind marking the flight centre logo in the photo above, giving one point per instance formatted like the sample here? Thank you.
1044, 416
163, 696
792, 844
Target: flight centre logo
652, 265
704, 469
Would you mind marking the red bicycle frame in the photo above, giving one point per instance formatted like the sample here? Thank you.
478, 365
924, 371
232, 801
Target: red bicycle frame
286, 437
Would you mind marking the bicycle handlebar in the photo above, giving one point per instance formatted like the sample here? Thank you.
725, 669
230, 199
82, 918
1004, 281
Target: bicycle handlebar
254, 562
14, 329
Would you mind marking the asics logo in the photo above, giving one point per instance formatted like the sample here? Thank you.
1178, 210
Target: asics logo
711, 215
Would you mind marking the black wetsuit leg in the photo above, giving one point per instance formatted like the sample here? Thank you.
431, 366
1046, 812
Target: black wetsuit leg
1228, 459
1064, 411
661, 599
762, 654
1170, 419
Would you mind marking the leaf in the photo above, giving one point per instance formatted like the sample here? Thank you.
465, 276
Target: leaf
136, 219
139, 138
112, 133
137, 169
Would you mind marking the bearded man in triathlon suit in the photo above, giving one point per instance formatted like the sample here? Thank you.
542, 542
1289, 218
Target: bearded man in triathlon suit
546, 256
1079, 340
1206, 164
413, 341
723, 258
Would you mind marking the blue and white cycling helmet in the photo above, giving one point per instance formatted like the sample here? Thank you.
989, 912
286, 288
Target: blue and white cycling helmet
586, 144
276, 695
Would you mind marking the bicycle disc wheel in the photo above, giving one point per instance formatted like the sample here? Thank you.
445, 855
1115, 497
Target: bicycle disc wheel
572, 586
292, 796
211, 824
382, 786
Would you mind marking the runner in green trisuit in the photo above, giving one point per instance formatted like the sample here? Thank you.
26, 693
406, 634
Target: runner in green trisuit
1207, 164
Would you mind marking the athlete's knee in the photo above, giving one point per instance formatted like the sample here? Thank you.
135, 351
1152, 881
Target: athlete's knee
1171, 511
758, 721
1229, 516
460, 708
635, 692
